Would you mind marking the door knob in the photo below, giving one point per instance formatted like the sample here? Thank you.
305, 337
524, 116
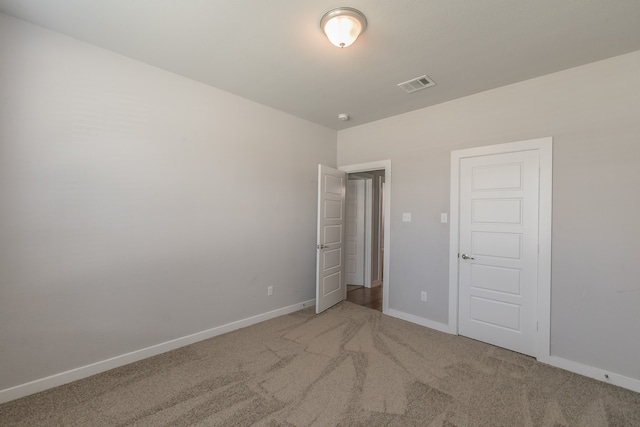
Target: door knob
465, 256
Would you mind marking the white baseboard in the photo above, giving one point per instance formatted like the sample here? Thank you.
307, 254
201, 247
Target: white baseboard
61, 378
596, 373
46, 383
418, 320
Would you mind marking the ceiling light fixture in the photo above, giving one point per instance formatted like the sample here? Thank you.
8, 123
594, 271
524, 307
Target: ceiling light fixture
343, 25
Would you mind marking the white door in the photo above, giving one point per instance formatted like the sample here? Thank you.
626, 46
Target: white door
330, 279
498, 249
354, 240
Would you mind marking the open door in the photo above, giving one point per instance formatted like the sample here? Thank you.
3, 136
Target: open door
330, 279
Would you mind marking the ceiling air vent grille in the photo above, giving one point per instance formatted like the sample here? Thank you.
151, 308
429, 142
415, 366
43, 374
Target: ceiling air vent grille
416, 84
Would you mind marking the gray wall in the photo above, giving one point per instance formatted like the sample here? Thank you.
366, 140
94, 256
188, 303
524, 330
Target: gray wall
137, 206
592, 112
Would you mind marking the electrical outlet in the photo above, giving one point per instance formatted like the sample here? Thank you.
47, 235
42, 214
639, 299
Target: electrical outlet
269, 290
423, 296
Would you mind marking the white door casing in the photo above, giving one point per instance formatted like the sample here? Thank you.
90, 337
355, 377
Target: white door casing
330, 278
354, 233
381, 220
501, 217
368, 230
499, 249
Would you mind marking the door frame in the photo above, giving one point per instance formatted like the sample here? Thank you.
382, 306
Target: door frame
545, 148
368, 219
386, 166
368, 211
381, 217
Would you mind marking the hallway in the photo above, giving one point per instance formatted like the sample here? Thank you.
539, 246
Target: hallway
366, 297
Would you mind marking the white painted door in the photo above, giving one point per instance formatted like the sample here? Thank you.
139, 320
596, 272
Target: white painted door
354, 240
498, 264
330, 280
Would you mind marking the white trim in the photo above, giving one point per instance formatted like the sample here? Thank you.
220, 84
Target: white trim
61, 378
418, 320
545, 203
596, 373
379, 165
368, 210
381, 217
545, 148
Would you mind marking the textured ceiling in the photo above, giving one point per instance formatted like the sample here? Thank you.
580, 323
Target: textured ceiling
273, 52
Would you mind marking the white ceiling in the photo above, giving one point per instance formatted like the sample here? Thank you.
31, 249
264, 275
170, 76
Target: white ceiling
273, 51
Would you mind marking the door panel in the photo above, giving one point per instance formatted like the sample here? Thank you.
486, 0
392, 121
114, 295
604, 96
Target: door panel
355, 237
497, 245
499, 234
331, 234
330, 280
497, 177
495, 313
332, 258
497, 279
503, 211
331, 283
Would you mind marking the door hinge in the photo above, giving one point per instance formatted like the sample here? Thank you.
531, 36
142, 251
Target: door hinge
537, 326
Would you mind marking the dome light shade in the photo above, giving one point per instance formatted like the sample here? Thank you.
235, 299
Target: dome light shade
343, 25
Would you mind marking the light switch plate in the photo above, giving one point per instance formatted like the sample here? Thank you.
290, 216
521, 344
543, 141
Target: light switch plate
443, 217
406, 217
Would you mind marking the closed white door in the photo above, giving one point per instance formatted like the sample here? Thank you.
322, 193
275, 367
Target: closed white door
498, 259
355, 236
330, 279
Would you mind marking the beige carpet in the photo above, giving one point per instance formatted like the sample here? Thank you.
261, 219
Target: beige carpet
350, 366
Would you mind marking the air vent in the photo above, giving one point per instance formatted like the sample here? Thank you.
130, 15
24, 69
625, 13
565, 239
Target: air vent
416, 84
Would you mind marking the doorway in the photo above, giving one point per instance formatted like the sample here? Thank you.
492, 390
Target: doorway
366, 207
331, 285
364, 238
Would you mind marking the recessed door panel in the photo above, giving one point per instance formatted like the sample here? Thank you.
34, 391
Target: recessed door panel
499, 245
333, 209
350, 248
351, 229
332, 234
332, 259
497, 177
334, 185
331, 283
495, 313
498, 279
350, 266
497, 211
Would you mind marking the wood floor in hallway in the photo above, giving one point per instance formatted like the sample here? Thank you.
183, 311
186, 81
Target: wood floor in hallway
366, 297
